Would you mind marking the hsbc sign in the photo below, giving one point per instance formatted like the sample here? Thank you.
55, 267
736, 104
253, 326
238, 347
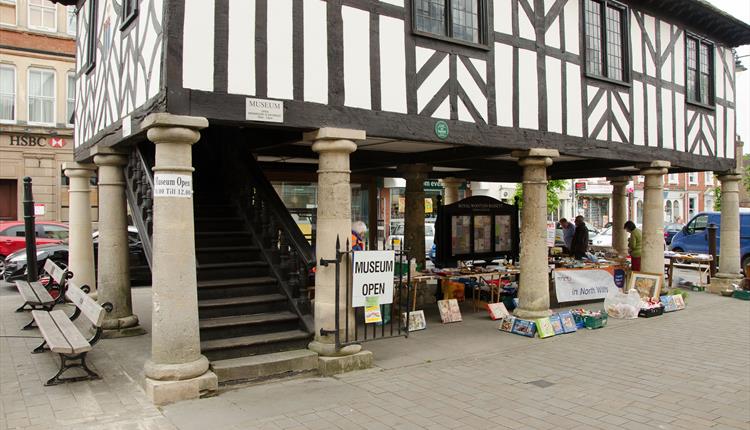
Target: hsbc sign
28, 140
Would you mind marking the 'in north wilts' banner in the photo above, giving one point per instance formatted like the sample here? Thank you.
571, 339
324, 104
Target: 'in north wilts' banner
372, 275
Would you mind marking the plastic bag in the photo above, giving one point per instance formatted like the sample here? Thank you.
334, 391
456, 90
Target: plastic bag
623, 306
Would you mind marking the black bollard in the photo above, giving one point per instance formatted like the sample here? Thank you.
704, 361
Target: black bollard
32, 273
712, 247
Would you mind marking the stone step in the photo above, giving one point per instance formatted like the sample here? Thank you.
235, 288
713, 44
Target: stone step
223, 283
219, 224
241, 269
207, 239
212, 308
244, 346
246, 325
266, 366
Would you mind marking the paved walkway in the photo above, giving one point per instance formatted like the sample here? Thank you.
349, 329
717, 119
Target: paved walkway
685, 370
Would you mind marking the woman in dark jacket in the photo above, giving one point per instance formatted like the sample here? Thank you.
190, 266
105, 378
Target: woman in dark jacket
580, 244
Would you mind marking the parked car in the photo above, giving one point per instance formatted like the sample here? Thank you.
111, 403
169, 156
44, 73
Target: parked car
12, 236
694, 235
396, 239
603, 239
15, 263
670, 230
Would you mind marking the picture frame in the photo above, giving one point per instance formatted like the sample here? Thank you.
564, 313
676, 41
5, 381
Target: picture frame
417, 320
648, 285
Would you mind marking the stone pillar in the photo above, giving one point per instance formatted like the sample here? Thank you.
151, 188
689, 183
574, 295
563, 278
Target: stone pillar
619, 214
334, 221
652, 257
177, 370
415, 175
113, 275
533, 292
729, 246
451, 189
80, 242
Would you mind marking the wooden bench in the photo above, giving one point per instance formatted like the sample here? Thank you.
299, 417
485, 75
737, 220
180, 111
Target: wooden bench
37, 297
63, 337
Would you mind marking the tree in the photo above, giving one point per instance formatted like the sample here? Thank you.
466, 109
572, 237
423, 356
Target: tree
554, 186
717, 199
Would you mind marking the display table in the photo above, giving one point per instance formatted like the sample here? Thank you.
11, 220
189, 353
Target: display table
421, 279
698, 259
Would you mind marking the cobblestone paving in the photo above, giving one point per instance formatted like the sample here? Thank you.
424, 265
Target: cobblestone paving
685, 370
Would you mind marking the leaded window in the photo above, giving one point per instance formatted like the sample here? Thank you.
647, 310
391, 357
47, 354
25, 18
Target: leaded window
462, 20
605, 25
71, 99
130, 11
699, 71
91, 36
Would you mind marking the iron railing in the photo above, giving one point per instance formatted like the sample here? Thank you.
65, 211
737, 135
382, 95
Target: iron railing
139, 179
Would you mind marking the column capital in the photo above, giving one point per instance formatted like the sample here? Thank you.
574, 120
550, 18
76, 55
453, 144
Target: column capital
451, 181
79, 170
341, 146
619, 180
163, 119
332, 133
115, 160
729, 176
656, 167
413, 170
535, 156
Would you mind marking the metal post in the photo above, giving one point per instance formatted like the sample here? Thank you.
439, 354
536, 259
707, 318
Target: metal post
712, 248
32, 273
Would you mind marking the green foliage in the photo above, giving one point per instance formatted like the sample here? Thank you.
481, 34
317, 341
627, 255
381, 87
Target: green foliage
717, 199
554, 187
746, 173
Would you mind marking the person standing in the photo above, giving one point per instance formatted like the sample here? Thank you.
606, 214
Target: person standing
635, 246
580, 243
568, 231
358, 235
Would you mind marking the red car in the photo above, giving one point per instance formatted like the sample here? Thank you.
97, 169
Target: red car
12, 235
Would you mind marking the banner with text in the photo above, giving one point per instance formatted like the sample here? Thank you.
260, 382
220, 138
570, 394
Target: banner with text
372, 275
573, 285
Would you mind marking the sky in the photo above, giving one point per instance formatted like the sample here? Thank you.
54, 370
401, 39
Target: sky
741, 9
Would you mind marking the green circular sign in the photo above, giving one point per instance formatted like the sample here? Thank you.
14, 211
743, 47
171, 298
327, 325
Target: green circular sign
441, 129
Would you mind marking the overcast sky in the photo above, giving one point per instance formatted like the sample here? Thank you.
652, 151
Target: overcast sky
741, 9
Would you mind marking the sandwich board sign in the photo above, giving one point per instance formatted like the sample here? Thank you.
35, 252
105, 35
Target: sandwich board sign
372, 275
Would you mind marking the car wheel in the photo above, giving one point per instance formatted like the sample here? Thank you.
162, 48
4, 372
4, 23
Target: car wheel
677, 250
2, 263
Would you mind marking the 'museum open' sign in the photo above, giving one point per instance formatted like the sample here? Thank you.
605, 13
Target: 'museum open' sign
372, 275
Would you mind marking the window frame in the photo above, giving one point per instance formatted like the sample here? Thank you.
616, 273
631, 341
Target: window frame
15, 12
69, 115
708, 178
54, 96
673, 178
41, 6
692, 178
91, 37
68, 10
711, 71
129, 12
483, 26
624, 36
15, 94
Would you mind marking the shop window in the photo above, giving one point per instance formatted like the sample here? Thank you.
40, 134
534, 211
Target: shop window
460, 20
7, 93
91, 37
130, 12
72, 20
606, 47
42, 15
71, 100
41, 90
700, 71
668, 211
8, 12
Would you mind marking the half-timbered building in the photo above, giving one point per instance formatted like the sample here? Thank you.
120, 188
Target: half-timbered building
486, 90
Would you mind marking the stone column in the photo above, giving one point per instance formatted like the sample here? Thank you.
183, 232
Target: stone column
533, 292
451, 189
113, 275
80, 242
334, 221
652, 256
177, 370
415, 175
729, 246
619, 214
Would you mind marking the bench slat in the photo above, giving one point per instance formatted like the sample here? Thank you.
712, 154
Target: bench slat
34, 292
89, 308
71, 332
51, 333
56, 272
41, 292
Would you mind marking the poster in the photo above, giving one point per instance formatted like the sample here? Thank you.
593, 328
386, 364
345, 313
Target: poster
173, 185
503, 233
461, 240
482, 233
550, 234
372, 310
372, 275
428, 205
573, 285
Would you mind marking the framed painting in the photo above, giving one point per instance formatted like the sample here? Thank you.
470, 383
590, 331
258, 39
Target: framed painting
648, 285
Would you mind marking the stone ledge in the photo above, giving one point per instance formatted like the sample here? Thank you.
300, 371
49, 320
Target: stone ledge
722, 283
330, 366
265, 366
165, 392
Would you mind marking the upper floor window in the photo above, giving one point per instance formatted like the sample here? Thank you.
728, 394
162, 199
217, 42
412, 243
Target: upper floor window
72, 20
130, 11
700, 73
41, 96
7, 93
709, 180
462, 20
8, 12
42, 15
71, 99
673, 178
606, 39
90, 53
692, 178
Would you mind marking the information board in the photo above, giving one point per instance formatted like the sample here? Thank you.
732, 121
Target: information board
173, 185
372, 275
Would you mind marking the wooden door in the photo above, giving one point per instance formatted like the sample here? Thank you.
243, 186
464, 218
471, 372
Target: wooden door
8, 200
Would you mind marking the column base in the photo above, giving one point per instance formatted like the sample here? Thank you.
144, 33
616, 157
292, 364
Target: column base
326, 349
330, 366
724, 281
165, 392
531, 314
121, 327
177, 371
